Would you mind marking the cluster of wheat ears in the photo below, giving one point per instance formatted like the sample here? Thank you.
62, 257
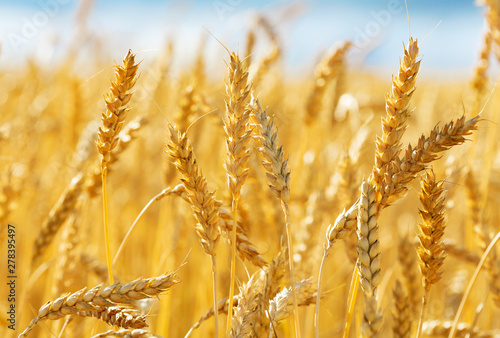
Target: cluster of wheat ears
314, 219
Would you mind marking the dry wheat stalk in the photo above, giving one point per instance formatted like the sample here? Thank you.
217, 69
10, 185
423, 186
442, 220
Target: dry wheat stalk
278, 174
492, 264
202, 201
98, 297
368, 263
405, 170
238, 133
430, 252
325, 72
401, 312
397, 107
57, 216
116, 110
126, 333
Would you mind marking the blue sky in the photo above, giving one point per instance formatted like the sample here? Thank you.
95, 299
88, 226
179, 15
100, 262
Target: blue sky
306, 28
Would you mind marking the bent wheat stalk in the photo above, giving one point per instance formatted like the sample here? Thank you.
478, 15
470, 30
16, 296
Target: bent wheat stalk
202, 201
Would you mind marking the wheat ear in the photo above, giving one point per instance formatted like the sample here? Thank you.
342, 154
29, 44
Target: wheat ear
281, 306
125, 138
397, 107
325, 72
97, 298
403, 171
238, 133
202, 201
368, 264
278, 174
57, 216
112, 122
430, 252
246, 249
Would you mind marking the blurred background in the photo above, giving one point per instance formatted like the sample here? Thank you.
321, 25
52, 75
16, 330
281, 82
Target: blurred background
47, 29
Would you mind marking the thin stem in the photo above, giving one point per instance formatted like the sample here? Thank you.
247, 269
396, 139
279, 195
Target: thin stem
471, 284
353, 295
106, 227
66, 322
422, 311
125, 239
286, 211
234, 210
318, 295
216, 307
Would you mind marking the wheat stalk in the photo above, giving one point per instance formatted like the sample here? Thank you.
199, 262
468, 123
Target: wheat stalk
397, 107
325, 72
202, 201
278, 174
112, 123
238, 133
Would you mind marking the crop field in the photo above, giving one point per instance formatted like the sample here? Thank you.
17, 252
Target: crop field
138, 199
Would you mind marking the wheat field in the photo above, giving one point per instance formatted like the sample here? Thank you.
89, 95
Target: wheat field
365, 205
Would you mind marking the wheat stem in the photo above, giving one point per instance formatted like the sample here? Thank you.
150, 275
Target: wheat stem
471, 284
106, 226
234, 212
351, 302
422, 312
158, 197
286, 211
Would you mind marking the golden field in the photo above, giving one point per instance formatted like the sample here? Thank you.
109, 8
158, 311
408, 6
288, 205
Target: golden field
376, 195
